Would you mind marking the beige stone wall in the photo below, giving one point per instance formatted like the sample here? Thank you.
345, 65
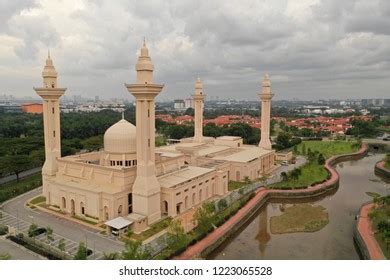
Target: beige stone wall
177, 200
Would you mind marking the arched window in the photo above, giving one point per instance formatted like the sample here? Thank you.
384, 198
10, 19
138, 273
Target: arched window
186, 203
72, 207
200, 195
237, 175
63, 203
193, 199
120, 210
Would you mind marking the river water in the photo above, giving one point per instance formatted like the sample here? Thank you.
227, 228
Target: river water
334, 241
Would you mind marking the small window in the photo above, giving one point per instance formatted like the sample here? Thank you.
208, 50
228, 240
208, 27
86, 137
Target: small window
54, 133
178, 193
52, 109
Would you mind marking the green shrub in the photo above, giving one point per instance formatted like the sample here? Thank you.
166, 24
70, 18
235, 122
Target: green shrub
222, 204
3, 230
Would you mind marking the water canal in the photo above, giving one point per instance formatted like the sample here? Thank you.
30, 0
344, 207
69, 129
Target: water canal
334, 241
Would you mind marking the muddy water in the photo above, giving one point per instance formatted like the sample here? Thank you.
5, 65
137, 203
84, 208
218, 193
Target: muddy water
334, 241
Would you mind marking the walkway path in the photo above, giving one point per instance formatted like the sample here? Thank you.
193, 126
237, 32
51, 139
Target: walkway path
365, 229
23, 174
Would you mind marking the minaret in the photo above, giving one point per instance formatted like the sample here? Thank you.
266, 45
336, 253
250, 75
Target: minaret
265, 97
146, 189
198, 97
50, 94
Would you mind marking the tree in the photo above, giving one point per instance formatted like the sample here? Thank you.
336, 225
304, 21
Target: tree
303, 149
284, 176
321, 159
49, 234
61, 245
177, 238
81, 253
135, 251
294, 174
190, 112
110, 256
17, 164
32, 229
204, 216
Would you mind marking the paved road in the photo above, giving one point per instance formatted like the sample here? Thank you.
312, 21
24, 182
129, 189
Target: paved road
71, 231
23, 174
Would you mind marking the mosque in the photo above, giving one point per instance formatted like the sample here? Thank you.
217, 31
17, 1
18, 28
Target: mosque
131, 182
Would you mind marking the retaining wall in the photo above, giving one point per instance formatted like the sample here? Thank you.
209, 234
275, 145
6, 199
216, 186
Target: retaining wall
382, 171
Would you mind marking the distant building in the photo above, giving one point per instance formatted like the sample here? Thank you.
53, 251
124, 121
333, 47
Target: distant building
32, 108
179, 104
376, 102
188, 103
10, 108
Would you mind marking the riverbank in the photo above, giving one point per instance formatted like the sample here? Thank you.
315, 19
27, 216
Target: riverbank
382, 171
217, 237
364, 235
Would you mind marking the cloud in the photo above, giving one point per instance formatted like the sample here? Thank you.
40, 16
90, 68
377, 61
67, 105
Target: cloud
312, 48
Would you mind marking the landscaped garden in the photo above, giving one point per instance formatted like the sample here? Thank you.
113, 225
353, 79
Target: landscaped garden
380, 218
313, 171
300, 218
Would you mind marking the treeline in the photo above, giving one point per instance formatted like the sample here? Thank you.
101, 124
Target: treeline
249, 134
22, 142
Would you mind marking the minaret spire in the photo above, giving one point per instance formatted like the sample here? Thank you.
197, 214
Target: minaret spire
146, 188
265, 97
198, 97
50, 94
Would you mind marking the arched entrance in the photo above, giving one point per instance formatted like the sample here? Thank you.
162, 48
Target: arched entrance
72, 207
165, 207
82, 208
63, 203
105, 213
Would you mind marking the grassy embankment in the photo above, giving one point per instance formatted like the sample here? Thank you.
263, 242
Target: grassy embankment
314, 172
13, 189
380, 218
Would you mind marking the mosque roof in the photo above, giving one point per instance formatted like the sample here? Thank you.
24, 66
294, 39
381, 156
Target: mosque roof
120, 138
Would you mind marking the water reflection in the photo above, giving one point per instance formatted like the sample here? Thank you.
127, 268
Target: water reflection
263, 236
334, 241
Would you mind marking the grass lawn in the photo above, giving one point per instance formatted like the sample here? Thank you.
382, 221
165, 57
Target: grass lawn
154, 229
234, 185
300, 218
311, 173
329, 148
38, 200
13, 189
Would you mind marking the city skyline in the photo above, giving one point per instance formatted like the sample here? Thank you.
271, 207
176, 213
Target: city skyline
311, 49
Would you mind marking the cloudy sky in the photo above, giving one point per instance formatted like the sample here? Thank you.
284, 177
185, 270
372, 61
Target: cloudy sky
311, 48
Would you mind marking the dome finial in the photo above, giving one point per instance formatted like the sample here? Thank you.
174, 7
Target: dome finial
48, 53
